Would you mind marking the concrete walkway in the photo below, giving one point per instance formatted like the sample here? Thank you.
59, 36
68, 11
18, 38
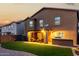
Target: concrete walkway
6, 52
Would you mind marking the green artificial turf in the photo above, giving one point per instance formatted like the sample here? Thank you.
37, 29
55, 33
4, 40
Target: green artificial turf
38, 49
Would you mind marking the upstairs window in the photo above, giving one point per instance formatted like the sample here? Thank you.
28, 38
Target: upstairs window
41, 23
31, 23
46, 25
57, 20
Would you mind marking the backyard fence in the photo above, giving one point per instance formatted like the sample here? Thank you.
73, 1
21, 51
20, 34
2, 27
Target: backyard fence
7, 38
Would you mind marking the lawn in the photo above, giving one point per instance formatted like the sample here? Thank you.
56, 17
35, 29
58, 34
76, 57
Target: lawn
38, 49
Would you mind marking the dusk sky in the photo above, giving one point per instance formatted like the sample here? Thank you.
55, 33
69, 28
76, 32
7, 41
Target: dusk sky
14, 12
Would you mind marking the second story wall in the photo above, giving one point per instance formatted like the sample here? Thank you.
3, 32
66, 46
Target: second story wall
68, 19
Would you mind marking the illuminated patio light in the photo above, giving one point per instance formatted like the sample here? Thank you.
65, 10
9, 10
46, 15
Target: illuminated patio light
43, 31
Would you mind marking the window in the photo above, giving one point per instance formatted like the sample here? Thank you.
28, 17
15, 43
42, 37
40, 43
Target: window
12, 26
31, 23
46, 25
57, 20
41, 23
59, 35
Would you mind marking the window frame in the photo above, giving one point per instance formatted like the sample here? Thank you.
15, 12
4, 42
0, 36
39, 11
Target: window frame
31, 24
41, 23
57, 21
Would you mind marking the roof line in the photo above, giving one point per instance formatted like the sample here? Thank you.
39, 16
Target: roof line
53, 9
15, 22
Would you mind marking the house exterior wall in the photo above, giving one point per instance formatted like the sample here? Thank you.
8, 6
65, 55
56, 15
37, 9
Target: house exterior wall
16, 28
20, 28
12, 29
27, 25
68, 22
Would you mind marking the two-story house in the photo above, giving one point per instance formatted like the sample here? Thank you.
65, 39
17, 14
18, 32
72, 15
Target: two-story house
15, 28
9, 29
53, 26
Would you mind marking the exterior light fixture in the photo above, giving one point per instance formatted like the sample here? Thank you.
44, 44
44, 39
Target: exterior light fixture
42, 30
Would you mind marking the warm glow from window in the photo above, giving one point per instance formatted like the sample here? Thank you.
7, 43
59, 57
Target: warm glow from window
57, 35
